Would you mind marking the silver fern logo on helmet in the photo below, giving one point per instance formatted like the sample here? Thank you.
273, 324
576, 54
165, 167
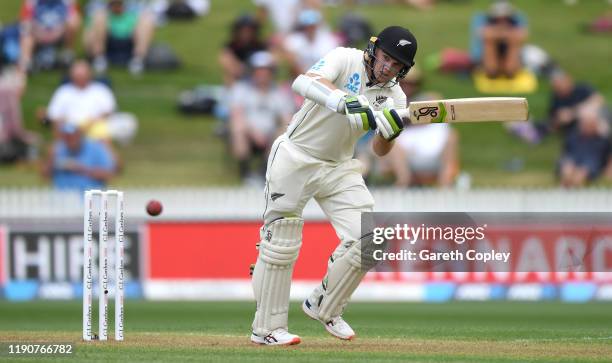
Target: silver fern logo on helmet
403, 42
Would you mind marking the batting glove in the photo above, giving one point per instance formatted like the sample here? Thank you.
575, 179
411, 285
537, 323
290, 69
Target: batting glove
357, 110
388, 123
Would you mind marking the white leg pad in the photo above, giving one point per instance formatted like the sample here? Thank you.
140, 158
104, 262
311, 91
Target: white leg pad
343, 277
279, 247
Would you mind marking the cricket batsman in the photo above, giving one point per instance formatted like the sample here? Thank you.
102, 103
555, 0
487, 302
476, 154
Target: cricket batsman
347, 93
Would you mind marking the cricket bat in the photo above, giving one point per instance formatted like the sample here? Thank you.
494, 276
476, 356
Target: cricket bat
466, 110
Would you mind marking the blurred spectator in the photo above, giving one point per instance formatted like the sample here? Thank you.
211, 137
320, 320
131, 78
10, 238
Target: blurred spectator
244, 42
283, 14
311, 42
15, 142
90, 105
45, 25
259, 112
498, 39
77, 162
587, 150
82, 102
121, 32
578, 111
568, 98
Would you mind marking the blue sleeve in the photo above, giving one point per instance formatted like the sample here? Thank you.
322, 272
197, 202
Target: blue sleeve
521, 20
103, 157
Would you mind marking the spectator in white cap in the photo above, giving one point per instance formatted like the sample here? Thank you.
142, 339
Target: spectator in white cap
259, 112
309, 43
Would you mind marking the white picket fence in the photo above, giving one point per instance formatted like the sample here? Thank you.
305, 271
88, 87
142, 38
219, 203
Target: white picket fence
248, 203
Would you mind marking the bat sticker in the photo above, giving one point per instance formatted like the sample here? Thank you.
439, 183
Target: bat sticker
426, 111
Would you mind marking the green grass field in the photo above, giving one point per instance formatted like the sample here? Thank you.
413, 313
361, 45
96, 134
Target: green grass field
173, 150
218, 331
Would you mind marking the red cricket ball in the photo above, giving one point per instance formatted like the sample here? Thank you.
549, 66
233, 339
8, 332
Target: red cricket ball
154, 208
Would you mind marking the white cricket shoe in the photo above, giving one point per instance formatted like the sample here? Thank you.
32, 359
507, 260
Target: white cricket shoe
277, 337
336, 326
